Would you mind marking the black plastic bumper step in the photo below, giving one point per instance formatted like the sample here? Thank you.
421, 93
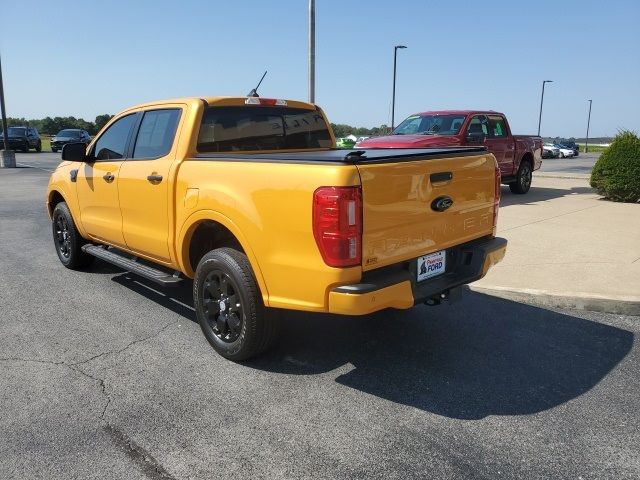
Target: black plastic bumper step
134, 266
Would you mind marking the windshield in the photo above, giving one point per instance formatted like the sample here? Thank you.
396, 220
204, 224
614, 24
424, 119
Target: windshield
16, 131
430, 125
68, 133
231, 129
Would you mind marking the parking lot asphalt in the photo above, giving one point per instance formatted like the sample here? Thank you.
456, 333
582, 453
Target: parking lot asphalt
105, 376
582, 164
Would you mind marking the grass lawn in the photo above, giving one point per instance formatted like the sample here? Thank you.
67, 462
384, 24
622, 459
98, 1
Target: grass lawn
592, 148
46, 143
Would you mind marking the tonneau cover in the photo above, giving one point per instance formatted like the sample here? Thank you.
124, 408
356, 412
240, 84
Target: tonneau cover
372, 155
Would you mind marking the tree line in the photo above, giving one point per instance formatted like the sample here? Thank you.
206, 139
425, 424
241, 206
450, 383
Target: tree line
342, 130
51, 126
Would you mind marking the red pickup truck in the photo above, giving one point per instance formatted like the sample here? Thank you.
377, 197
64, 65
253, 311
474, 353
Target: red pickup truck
517, 155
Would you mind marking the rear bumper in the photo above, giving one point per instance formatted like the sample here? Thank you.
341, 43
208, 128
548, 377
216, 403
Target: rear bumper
396, 286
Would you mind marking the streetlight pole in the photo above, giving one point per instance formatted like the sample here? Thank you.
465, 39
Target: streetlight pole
7, 157
542, 100
312, 51
393, 100
4, 115
586, 145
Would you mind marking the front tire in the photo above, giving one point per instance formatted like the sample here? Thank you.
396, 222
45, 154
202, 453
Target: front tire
229, 306
67, 239
561, 155
523, 179
39, 147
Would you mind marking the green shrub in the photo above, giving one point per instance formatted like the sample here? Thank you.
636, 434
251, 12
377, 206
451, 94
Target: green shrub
616, 174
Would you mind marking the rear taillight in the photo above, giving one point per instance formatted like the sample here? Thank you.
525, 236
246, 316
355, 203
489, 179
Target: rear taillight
496, 199
337, 225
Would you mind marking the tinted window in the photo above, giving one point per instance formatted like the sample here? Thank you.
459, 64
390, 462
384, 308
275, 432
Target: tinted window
229, 129
497, 127
69, 133
112, 143
156, 133
16, 131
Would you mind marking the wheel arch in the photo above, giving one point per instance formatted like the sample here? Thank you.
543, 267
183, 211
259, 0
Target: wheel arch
53, 199
527, 157
207, 229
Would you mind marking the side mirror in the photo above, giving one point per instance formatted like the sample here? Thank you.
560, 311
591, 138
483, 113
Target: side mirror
74, 152
476, 137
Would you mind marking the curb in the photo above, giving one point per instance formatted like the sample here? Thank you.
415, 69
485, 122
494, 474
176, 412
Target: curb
577, 301
576, 176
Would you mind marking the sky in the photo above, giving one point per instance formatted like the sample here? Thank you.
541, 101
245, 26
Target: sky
88, 58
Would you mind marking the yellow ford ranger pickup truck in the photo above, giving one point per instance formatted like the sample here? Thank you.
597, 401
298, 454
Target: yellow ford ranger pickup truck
250, 198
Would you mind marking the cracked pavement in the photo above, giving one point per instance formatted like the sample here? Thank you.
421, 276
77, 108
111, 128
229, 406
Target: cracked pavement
105, 376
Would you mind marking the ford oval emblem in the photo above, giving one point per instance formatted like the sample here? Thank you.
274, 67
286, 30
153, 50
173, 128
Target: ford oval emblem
440, 204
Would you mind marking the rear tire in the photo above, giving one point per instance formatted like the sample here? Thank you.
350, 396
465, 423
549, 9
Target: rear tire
524, 176
39, 147
229, 306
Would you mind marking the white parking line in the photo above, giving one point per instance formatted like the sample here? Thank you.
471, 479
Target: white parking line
33, 166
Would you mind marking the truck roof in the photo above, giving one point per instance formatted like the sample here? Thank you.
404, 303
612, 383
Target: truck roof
218, 101
460, 112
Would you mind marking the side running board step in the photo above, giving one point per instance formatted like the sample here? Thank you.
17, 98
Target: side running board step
121, 260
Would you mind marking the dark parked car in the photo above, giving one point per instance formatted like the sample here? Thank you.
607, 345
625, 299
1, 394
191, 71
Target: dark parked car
22, 138
69, 135
570, 144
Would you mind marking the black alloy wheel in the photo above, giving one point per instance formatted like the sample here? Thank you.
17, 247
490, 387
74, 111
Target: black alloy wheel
229, 306
523, 179
62, 235
223, 306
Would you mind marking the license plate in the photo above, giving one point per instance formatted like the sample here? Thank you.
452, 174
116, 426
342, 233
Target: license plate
431, 265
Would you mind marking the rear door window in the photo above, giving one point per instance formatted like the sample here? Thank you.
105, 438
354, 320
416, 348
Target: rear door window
497, 126
156, 133
245, 128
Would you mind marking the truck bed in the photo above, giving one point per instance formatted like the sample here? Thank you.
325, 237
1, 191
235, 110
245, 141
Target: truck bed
341, 156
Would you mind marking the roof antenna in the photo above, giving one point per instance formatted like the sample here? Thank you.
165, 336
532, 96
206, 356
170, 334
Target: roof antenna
254, 92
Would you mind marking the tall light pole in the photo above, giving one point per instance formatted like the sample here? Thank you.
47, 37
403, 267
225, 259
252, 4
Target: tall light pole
542, 100
586, 145
4, 114
393, 100
312, 51
7, 157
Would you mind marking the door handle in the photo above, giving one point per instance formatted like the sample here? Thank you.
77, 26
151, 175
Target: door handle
108, 178
154, 178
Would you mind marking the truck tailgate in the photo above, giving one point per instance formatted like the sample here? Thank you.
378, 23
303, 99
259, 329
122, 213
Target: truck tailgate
401, 220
